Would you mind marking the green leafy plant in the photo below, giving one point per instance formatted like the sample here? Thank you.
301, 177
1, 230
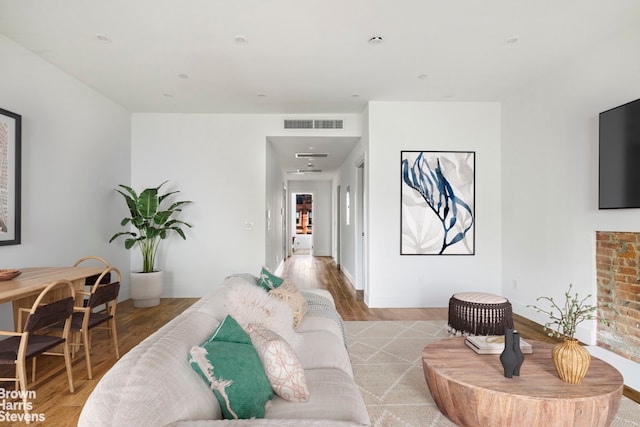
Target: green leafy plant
153, 222
566, 317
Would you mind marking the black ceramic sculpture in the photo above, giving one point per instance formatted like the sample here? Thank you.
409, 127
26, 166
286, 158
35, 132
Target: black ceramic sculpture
518, 353
511, 357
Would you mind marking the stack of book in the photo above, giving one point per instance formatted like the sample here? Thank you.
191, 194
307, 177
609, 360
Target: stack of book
493, 344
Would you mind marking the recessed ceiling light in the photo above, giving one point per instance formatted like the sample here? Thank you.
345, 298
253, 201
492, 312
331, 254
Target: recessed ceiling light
241, 39
423, 76
375, 40
512, 40
183, 76
103, 38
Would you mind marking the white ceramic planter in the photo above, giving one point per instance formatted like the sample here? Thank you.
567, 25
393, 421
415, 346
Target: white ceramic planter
146, 288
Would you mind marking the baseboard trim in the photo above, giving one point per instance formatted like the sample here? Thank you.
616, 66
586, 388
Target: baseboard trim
348, 276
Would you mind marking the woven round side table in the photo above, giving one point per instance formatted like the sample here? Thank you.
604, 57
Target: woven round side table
479, 313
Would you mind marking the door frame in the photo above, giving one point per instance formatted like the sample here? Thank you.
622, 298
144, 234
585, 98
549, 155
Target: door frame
361, 225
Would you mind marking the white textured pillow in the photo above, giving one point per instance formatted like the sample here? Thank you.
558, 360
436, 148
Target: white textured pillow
248, 303
283, 369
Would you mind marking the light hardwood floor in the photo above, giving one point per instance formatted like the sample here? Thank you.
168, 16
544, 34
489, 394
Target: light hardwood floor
62, 408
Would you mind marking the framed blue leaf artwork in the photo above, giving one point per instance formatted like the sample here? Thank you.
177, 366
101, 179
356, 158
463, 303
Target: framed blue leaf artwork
437, 203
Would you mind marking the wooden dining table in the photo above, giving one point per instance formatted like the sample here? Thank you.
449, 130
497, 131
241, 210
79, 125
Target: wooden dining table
24, 289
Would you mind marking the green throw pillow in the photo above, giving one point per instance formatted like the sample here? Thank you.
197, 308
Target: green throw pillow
269, 281
230, 365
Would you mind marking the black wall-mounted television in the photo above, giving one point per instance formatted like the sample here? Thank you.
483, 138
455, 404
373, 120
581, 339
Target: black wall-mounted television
619, 157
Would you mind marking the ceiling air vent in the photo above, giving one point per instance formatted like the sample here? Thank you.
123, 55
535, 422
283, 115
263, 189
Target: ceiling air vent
327, 124
313, 124
311, 155
298, 124
304, 171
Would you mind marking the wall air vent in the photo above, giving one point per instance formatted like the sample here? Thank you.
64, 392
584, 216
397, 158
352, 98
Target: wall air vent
313, 124
298, 124
327, 124
311, 155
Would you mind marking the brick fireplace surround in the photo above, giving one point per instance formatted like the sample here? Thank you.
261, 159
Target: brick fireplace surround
618, 282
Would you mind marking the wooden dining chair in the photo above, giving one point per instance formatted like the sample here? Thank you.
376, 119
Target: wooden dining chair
91, 280
91, 257
34, 337
99, 310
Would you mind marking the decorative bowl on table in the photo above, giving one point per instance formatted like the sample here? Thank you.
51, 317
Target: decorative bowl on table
8, 274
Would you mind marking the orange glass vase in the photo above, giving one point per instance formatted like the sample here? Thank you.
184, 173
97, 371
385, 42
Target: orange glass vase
571, 361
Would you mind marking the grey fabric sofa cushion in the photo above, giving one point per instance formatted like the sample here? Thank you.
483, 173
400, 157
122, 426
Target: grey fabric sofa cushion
323, 349
332, 395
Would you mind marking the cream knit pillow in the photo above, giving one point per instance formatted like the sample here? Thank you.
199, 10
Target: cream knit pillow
288, 293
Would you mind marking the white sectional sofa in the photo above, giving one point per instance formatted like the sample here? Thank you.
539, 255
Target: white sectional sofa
154, 384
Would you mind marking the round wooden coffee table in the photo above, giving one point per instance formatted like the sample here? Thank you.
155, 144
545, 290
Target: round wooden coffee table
471, 390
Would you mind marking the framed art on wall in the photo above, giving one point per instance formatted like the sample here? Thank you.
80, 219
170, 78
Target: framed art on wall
10, 174
437, 207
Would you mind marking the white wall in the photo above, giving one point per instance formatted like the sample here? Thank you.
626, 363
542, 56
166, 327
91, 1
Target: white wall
322, 219
429, 280
75, 150
550, 169
220, 162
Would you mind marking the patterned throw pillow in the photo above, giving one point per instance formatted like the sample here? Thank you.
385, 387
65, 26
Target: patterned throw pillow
230, 365
269, 281
288, 293
283, 369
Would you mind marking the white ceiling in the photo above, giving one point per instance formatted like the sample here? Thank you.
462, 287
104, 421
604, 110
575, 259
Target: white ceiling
307, 56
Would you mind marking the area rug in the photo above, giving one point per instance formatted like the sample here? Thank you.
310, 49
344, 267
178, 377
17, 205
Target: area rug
387, 365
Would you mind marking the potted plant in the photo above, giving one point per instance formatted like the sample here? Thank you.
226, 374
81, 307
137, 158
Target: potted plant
569, 357
154, 223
